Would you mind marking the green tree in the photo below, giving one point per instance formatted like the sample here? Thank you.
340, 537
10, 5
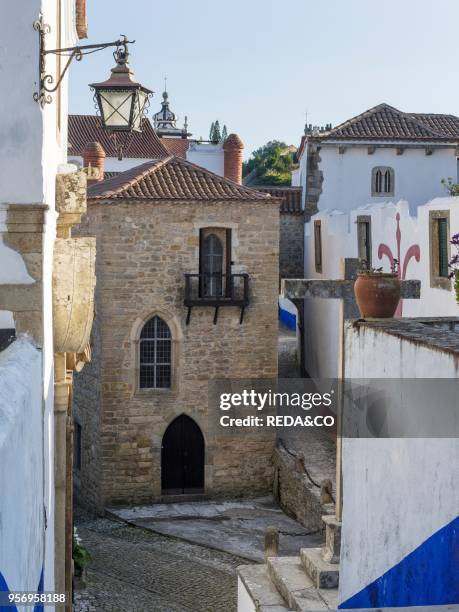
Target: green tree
271, 164
211, 132
224, 134
217, 133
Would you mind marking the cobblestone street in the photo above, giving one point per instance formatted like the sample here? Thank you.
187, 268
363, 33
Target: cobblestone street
135, 570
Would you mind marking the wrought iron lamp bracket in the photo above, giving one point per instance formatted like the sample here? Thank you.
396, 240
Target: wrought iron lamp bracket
46, 81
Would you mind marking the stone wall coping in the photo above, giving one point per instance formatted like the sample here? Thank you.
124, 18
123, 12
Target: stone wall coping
437, 333
295, 289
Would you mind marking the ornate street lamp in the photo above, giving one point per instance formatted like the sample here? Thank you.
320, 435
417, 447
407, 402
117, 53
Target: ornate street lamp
122, 101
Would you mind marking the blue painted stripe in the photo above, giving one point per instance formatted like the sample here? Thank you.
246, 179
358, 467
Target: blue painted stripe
4, 588
287, 318
41, 585
428, 576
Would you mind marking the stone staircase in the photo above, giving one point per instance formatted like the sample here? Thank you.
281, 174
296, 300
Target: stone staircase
304, 583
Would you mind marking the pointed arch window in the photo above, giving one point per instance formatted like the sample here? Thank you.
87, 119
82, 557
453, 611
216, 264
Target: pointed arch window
212, 265
382, 181
155, 346
387, 181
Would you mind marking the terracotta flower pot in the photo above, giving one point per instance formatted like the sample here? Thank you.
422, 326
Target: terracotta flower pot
377, 294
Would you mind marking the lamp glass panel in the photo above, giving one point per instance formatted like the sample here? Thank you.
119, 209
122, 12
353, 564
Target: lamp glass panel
139, 105
116, 108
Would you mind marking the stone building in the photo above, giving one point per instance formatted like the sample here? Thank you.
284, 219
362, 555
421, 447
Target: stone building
187, 287
291, 237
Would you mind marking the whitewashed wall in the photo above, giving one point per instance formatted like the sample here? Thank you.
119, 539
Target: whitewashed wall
398, 493
300, 175
33, 144
112, 164
347, 177
22, 542
321, 316
205, 155
208, 156
339, 239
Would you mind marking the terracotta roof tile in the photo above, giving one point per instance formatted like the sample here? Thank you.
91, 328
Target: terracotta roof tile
171, 179
444, 124
88, 128
176, 146
384, 122
291, 197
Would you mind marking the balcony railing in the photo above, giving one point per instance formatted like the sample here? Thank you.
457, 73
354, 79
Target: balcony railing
216, 290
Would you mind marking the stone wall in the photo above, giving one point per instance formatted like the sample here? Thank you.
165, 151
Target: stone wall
143, 251
87, 414
296, 492
291, 255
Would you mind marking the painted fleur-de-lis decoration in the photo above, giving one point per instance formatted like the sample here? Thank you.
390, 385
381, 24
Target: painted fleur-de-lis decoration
412, 252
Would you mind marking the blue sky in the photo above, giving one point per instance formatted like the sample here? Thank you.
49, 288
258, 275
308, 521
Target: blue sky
259, 65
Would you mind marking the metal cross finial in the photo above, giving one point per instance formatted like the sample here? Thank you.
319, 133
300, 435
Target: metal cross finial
165, 82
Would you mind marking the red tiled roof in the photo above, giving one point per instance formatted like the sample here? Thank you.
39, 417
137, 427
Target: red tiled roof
171, 179
384, 122
445, 124
176, 146
88, 128
291, 197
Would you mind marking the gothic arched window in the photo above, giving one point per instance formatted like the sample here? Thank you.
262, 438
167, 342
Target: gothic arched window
155, 359
382, 181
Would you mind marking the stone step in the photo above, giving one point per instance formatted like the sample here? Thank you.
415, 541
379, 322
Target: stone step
263, 593
296, 587
330, 597
324, 575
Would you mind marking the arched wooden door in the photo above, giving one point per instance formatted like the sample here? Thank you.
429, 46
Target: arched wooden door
182, 458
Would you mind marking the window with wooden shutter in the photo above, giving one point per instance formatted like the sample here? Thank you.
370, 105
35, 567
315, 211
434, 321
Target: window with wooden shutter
439, 249
442, 228
364, 239
318, 245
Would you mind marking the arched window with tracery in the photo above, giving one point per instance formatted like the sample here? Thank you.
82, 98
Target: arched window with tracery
382, 181
155, 359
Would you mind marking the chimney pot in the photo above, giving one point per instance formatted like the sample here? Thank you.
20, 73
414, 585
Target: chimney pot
94, 156
233, 148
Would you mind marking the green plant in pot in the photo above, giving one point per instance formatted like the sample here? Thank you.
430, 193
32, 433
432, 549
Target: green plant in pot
377, 293
454, 265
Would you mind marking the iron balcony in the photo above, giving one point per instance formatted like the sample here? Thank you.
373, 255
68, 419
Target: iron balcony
216, 290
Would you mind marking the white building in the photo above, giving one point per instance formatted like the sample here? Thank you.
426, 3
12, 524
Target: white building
368, 184
37, 188
382, 154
